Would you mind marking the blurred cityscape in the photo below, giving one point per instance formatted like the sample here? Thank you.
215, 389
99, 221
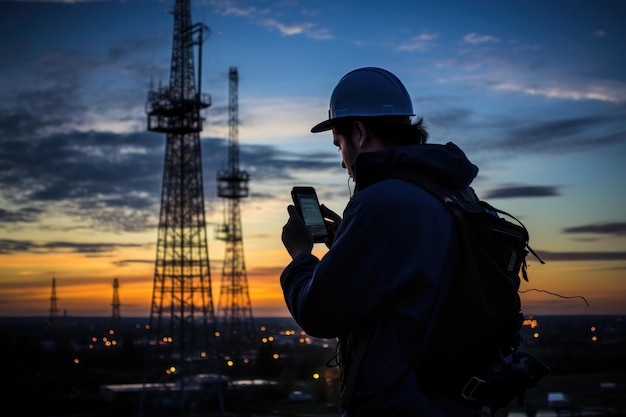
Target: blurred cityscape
93, 367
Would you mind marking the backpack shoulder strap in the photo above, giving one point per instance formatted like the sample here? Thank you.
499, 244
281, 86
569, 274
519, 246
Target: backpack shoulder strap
349, 373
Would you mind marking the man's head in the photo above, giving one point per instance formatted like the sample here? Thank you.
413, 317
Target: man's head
370, 109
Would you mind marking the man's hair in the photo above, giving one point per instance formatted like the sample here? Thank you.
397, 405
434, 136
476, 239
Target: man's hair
391, 131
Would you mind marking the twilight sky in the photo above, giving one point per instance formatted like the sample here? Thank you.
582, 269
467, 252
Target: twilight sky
533, 91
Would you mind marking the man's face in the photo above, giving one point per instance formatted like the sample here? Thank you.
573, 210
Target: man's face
347, 149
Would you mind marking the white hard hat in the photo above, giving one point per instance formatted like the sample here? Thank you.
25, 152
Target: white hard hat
367, 92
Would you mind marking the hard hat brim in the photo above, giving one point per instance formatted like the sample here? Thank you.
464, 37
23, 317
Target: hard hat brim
322, 127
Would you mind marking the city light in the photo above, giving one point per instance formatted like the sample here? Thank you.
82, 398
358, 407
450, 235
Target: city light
530, 322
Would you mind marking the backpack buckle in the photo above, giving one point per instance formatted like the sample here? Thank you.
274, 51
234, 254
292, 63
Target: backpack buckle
469, 390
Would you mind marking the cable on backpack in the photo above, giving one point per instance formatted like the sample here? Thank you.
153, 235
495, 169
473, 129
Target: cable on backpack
557, 295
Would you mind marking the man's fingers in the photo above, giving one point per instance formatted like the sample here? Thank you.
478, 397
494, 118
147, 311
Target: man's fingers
328, 213
293, 213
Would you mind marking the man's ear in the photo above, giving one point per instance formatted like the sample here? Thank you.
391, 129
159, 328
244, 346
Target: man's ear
360, 135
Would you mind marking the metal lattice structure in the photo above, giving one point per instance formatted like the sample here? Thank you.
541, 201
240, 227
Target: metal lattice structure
180, 370
115, 304
54, 310
235, 320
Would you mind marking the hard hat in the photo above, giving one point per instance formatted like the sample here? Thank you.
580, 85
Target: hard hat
367, 92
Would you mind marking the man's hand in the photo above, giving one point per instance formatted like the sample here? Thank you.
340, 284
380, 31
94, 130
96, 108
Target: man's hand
296, 236
332, 220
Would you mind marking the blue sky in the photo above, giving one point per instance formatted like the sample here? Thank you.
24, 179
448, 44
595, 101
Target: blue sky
533, 91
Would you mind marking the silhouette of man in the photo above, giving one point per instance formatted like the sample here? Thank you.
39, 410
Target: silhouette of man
376, 289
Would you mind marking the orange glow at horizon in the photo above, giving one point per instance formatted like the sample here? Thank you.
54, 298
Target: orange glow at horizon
84, 284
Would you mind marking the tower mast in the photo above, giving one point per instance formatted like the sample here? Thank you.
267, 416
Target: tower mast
116, 301
181, 338
54, 311
235, 318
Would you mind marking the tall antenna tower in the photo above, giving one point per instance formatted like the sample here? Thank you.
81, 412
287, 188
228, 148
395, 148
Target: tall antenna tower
181, 339
54, 311
116, 300
235, 320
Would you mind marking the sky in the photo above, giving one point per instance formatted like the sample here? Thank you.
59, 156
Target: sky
533, 91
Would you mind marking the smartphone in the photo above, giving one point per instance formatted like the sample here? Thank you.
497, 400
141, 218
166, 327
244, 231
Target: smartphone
307, 204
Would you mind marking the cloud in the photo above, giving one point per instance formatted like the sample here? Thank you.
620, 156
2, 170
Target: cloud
567, 135
519, 191
22, 215
474, 38
126, 262
421, 43
107, 181
8, 246
267, 162
615, 228
305, 28
111, 179
582, 256
262, 17
537, 70
609, 91
227, 7
59, 95
85, 248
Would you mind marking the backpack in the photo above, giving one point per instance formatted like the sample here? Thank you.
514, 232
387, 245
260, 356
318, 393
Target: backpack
474, 350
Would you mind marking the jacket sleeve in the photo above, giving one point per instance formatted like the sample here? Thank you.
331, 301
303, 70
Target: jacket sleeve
295, 280
392, 241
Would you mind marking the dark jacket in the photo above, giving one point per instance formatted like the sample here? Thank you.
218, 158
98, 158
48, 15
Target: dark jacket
379, 286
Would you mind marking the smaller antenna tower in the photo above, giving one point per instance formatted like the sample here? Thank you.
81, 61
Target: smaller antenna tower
116, 300
234, 309
54, 311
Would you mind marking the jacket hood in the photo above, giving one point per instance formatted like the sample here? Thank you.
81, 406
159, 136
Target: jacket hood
445, 164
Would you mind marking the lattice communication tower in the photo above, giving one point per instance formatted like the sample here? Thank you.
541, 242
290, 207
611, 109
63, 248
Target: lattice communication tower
54, 310
180, 369
115, 304
235, 320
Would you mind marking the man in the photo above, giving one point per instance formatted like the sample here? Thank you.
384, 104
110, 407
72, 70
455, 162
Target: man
379, 287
